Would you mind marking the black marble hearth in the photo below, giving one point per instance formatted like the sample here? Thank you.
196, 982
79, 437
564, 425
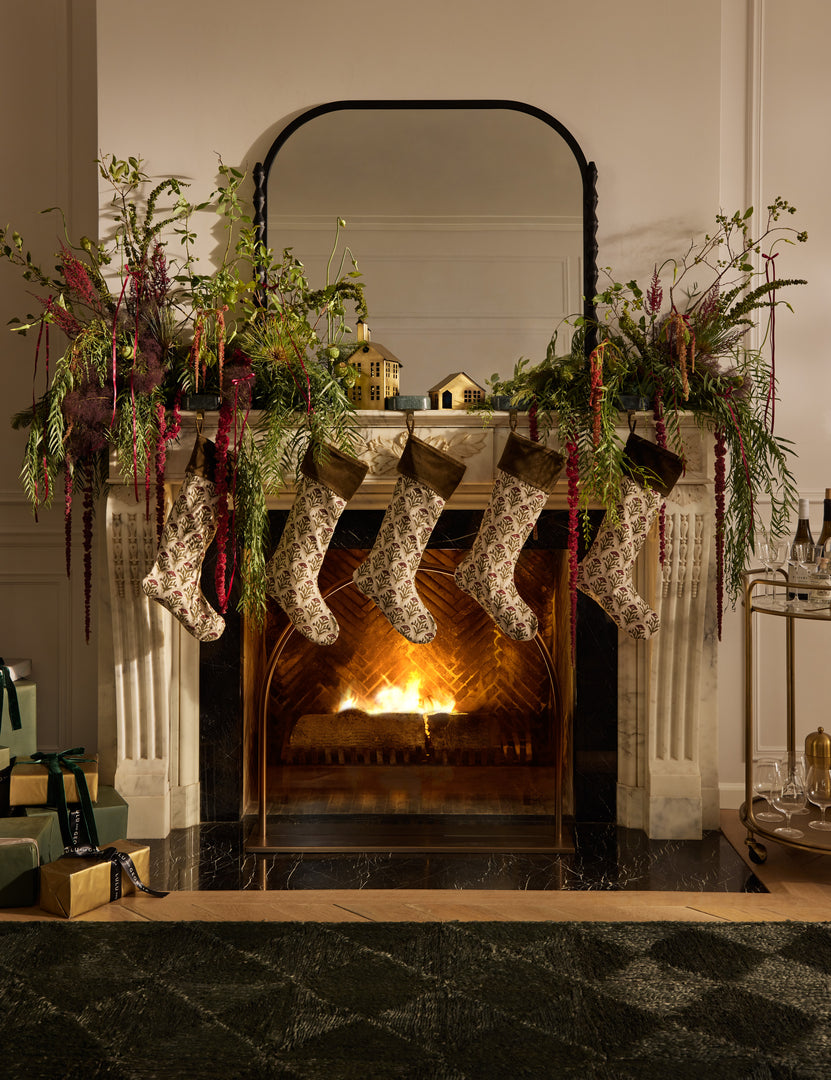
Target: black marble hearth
213, 856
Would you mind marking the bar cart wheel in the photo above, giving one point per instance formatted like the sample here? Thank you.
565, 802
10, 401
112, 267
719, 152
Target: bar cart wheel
758, 852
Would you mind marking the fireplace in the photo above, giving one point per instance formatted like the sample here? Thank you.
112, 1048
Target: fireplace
635, 723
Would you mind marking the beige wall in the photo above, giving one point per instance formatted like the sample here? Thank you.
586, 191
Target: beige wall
682, 106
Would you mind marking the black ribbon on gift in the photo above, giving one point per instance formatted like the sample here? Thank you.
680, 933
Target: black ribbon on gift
119, 860
56, 793
7, 684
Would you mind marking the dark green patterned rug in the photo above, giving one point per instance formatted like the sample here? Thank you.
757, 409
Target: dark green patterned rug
424, 1001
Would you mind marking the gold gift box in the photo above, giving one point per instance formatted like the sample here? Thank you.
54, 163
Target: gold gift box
70, 886
30, 781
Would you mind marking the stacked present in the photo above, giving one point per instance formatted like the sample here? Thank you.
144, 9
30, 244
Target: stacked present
60, 830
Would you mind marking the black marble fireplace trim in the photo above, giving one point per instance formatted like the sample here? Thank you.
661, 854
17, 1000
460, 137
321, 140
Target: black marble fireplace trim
595, 724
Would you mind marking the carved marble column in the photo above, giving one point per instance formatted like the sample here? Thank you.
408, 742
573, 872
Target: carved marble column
667, 704
153, 693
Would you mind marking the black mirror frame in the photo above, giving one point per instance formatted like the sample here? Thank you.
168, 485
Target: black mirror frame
588, 173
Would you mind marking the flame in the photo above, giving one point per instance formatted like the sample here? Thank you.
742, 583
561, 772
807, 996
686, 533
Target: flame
397, 699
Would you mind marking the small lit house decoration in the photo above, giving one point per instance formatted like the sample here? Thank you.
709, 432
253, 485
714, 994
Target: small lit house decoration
456, 391
377, 372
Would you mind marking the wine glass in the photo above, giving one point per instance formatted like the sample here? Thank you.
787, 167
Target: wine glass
819, 793
762, 545
778, 549
789, 796
764, 781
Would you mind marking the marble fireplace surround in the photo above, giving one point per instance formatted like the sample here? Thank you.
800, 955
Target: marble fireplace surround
667, 781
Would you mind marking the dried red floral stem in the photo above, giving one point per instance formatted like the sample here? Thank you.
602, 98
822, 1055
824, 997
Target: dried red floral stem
533, 426
196, 348
221, 482
176, 425
67, 515
573, 474
720, 484
220, 341
596, 391
88, 512
161, 462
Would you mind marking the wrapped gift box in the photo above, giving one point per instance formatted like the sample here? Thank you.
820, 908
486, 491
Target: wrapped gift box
24, 843
70, 885
30, 781
18, 669
109, 811
19, 859
23, 741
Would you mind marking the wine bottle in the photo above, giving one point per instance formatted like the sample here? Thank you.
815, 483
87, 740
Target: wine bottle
825, 534
802, 535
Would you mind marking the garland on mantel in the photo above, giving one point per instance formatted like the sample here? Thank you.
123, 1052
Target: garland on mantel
680, 346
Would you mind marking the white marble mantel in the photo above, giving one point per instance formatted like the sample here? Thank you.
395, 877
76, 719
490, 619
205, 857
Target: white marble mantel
667, 707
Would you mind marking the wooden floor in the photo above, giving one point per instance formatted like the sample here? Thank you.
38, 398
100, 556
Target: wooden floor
799, 889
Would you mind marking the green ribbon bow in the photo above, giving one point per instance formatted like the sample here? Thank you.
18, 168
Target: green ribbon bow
56, 793
7, 684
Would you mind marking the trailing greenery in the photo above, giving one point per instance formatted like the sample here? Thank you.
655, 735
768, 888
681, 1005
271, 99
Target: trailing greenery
139, 325
683, 348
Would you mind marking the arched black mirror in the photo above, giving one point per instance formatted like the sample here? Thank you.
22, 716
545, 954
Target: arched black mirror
473, 222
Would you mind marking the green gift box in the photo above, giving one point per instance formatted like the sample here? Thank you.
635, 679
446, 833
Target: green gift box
24, 843
22, 741
109, 811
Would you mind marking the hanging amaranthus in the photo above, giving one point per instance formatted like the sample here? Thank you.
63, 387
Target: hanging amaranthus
573, 474
221, 480
596, 390
89, 504
67, 514
720, 484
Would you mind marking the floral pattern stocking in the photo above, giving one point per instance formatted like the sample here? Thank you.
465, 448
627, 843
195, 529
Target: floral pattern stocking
606, 572
174, 579
487, 573
293, 568
388, 574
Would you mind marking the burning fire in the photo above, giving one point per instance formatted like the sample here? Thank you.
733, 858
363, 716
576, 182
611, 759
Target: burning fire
397, 699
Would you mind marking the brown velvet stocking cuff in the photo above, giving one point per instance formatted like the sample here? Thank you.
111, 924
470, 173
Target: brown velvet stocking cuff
203, 459
431, 466
650, 465
337, 471
531, 462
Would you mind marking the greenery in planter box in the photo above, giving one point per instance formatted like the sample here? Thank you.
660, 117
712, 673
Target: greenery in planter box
681, 343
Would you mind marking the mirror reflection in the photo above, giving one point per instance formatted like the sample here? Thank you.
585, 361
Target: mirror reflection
466, 223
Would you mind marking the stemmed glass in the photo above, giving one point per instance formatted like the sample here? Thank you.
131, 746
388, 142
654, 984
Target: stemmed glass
764, 782
819, 793
789, 796
773, 553
804, 555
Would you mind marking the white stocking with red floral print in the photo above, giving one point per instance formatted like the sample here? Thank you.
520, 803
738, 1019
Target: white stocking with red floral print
487, 573
606, 572
174, 578
388, 574
293, 568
